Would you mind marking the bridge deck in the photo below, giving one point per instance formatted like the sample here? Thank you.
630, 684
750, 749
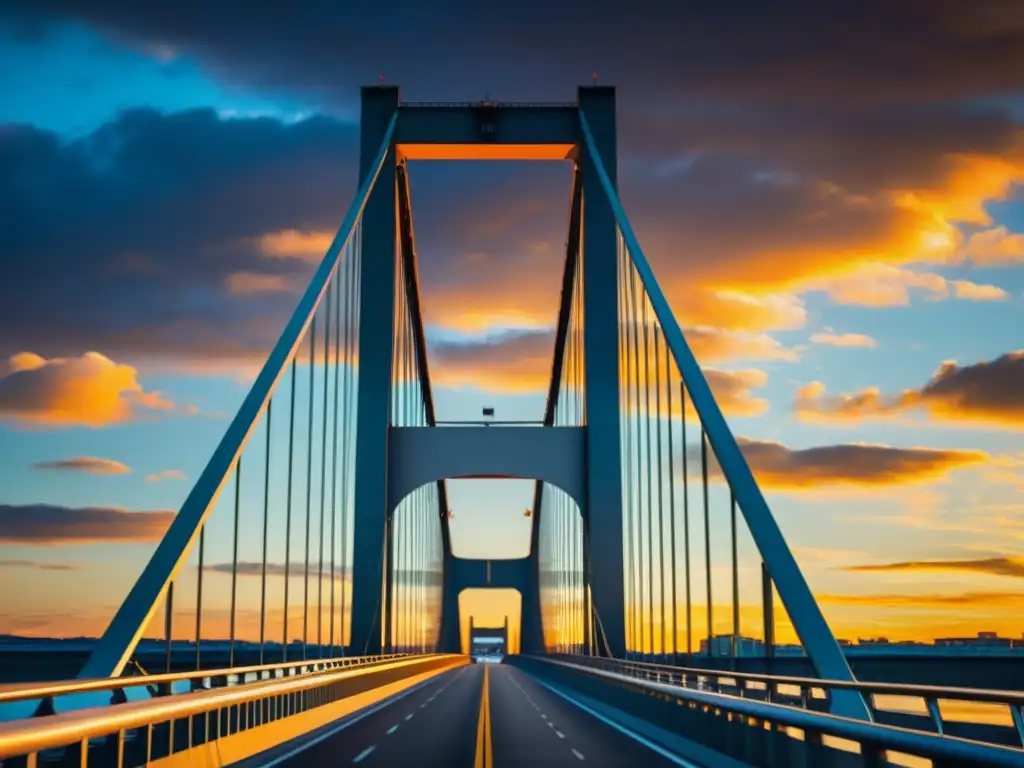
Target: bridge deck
437, 725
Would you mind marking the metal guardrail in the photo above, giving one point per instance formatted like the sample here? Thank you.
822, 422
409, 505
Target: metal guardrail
234, 676
139, 732
718, 680
757, 719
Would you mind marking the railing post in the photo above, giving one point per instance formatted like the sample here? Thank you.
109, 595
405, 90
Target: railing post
603, 509
376, 331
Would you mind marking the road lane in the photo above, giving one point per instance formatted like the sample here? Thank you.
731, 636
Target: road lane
532, 726
450, 722
434, 727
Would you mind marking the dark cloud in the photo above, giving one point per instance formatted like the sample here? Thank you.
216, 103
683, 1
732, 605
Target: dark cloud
996, 566
512, 362
853, 464
762, 147
990, 391
52, 525
738, 50
142, 224
88, 464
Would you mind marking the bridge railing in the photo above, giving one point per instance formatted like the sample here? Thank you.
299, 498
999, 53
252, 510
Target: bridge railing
990, 716
140, 733
663, 391
762, 733
64, 695
268, 562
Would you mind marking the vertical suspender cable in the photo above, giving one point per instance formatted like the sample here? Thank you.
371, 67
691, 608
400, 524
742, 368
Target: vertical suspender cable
672, 502
661, 485
234, 563
168, 627
199, 596
624, 422
637, 480
707, 534
336, 281
647, 461
629, 417
309, 494
288, 514
266, 534
768, 611
686, 518
323, 482
735, 578
346, 450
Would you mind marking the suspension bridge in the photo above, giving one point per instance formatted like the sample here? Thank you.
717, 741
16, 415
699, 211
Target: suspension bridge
303, 606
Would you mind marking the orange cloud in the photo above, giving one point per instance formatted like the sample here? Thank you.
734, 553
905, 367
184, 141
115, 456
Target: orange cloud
988, 392
50, 525
91, 390
981, 600
165, 474
996, 566
844, 340
711, 345
514, 362
488, 292
733, 390
253, 283
852, 464
732, 309
964, 289
520, 362
818, 224
853, 244
88, 464
884, 285
994, 246
293, 244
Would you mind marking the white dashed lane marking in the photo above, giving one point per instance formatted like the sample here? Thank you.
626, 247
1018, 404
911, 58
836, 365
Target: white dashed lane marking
366, 752
551, 725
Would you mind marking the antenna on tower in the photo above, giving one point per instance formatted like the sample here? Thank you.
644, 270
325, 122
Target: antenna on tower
381, 78
593, 77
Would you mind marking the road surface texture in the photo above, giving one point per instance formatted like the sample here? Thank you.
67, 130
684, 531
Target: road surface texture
476, 716
533, 725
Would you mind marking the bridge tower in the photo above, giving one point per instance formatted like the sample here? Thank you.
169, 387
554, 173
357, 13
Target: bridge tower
393, 460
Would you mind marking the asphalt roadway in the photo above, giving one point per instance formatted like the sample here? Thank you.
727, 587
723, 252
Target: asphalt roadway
475, 716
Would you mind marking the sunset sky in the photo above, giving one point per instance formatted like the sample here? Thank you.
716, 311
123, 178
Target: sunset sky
829, 194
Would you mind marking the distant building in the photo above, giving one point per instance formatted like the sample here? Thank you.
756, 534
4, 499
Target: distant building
983, 640
721, 645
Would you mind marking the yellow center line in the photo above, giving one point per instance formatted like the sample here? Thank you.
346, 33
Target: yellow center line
484, 755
